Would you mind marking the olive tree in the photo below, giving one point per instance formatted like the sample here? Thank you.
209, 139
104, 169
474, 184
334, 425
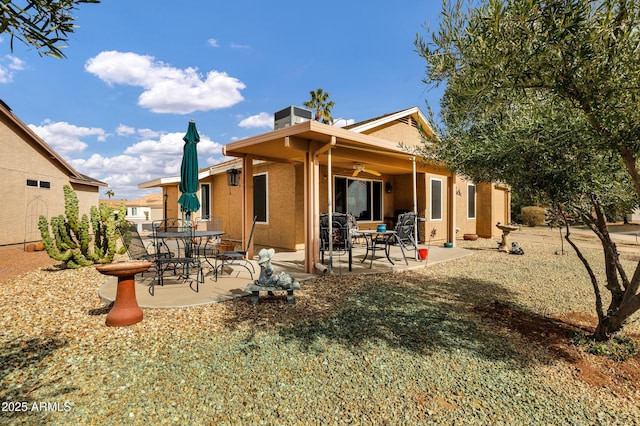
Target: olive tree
544, 96
43, 24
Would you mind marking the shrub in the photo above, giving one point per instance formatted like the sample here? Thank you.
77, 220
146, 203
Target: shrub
620, 348
533, 215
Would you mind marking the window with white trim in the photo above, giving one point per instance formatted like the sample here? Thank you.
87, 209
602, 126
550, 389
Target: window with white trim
471, 201
360, 197
436, 199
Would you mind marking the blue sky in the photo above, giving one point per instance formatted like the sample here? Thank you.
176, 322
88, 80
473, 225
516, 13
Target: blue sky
136, 72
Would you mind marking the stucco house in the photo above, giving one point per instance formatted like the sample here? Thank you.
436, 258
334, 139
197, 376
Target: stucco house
290, 175
141, 211
32, 176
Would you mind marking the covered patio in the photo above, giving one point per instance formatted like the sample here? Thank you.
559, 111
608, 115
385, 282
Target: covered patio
326, 152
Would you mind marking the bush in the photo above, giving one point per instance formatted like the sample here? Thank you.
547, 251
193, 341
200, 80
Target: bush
533, 215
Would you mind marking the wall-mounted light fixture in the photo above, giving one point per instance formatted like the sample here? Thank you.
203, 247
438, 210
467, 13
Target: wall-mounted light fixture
233, 177
458, 192
388, 187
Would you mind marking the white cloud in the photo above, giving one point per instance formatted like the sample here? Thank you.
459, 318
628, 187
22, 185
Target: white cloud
239, 46
145, 160
9, 64
263, 119
213, 42
65, 138
167, 89
123, 130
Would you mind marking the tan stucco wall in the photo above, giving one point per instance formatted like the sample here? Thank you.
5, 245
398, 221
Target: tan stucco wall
397, 132
280, 230
284, 227
21, 205
465, 224
440, 225
493, 207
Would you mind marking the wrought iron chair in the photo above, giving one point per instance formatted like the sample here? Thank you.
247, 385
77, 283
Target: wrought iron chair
341, 239
183, 257
236, 257
136, 248
405, 231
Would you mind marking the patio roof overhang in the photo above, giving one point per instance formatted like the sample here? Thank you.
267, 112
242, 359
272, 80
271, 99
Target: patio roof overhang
292, 144
313, 144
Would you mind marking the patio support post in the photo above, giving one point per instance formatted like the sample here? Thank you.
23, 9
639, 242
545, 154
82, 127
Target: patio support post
415, 205
312, 201
330, 207
247, 201
311, 212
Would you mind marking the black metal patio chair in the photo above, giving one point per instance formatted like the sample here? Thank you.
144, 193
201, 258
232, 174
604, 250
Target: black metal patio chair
236, 257
341, 238
182, 258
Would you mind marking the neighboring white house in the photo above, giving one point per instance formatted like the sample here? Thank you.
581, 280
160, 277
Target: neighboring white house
141, 211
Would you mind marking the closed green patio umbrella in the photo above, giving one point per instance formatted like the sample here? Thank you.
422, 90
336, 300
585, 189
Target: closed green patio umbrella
189, 172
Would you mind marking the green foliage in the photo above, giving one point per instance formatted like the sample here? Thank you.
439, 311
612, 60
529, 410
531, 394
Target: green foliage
322, 106
42, 24
620, 348
544, 96
533, 215
72, 241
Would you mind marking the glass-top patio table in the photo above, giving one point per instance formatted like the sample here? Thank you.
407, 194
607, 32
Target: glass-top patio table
374, 238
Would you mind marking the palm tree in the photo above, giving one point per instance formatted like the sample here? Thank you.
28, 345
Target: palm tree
322, 105
110, 193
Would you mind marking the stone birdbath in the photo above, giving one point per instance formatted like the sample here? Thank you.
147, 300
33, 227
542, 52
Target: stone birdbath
125, 310
506, 230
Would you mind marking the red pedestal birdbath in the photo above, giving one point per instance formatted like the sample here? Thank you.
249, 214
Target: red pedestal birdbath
125, 310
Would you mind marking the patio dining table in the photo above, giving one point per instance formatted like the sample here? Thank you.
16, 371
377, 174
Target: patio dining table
373, 237
187, 239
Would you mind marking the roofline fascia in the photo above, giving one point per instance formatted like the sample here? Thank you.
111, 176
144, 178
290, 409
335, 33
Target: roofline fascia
74, 174
325, 130
392, 117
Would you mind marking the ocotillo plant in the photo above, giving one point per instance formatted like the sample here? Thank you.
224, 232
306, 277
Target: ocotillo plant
72, 242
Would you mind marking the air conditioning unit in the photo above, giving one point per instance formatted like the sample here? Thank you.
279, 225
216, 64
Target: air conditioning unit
289, 116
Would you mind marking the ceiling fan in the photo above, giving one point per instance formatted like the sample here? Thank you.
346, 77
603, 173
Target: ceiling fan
359, 167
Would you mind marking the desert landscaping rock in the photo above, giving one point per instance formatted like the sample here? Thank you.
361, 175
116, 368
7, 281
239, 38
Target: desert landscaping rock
435, 346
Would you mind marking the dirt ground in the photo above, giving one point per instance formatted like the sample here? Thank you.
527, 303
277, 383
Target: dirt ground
597, 371
15, 261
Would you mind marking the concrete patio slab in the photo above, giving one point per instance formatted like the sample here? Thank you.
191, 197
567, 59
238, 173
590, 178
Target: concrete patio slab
176, 293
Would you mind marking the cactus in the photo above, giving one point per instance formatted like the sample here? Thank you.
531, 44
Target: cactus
72, 240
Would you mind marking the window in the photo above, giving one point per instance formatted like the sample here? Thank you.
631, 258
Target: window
436, 199
471, 201
32, 182
45, 184
134, 211
360, 197
260, 207
205, 201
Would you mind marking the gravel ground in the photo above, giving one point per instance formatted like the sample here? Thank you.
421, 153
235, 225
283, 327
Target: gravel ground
411, 348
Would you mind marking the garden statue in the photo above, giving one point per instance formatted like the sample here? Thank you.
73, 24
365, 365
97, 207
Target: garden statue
269, 280
516, 249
